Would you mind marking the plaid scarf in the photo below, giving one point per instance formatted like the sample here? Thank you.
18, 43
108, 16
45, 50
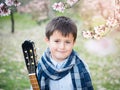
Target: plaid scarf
80, 77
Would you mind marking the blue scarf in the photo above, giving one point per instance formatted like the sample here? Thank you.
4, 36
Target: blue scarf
80, 77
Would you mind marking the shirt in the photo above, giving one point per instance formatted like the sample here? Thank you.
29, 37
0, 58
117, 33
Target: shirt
64, 83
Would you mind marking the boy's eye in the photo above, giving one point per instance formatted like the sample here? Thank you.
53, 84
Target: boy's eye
56, 41
67, 42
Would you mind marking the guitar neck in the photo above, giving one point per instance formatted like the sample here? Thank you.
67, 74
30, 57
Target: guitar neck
34, 82
30, 60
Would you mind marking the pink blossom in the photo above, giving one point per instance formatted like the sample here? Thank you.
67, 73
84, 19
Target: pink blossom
111, 22
1, 6
9, 2
16, 3
58, 7
5, 7
4, 11
99, 29
12, 2
87, 34
117, 8
71, 2
97, 36
8, 11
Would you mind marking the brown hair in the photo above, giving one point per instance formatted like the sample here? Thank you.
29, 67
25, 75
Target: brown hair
63, 24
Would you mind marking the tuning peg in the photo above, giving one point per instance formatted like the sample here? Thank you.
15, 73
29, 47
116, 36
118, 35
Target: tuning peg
32, 63
30, 50
26, 57
31, 57
25, 51
28, 63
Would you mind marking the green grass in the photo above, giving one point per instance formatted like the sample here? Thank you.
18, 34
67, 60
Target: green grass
105, 71
13, 72
22, 22
11, 75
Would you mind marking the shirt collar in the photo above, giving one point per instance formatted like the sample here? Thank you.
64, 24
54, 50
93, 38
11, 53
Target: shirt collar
58, 65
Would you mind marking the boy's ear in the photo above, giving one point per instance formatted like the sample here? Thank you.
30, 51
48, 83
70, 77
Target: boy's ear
46, 40
74, 41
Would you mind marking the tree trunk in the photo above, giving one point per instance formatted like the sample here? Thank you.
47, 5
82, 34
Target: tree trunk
12, 22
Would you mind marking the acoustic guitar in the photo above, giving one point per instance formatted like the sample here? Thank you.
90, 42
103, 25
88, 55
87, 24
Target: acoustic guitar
30, 57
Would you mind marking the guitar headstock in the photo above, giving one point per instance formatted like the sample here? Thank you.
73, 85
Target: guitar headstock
28, 48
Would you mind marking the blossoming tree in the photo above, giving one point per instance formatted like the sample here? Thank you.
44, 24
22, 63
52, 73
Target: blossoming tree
100, 31
8, 7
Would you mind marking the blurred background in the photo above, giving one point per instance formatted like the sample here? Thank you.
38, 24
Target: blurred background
30, 19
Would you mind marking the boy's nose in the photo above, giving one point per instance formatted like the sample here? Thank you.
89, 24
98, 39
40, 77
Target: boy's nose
62, 45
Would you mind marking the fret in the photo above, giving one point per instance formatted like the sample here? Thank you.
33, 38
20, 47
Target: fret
34, 81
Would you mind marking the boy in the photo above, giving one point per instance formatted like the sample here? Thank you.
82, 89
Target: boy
60, 68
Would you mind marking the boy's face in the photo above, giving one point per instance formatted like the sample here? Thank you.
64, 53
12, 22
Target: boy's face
60, 46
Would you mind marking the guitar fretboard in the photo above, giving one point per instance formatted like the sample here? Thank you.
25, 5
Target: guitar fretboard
34, 81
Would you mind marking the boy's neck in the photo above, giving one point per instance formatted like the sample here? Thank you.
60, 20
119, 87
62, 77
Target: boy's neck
57, 61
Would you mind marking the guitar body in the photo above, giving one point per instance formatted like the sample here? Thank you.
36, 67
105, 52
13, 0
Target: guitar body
28, 48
